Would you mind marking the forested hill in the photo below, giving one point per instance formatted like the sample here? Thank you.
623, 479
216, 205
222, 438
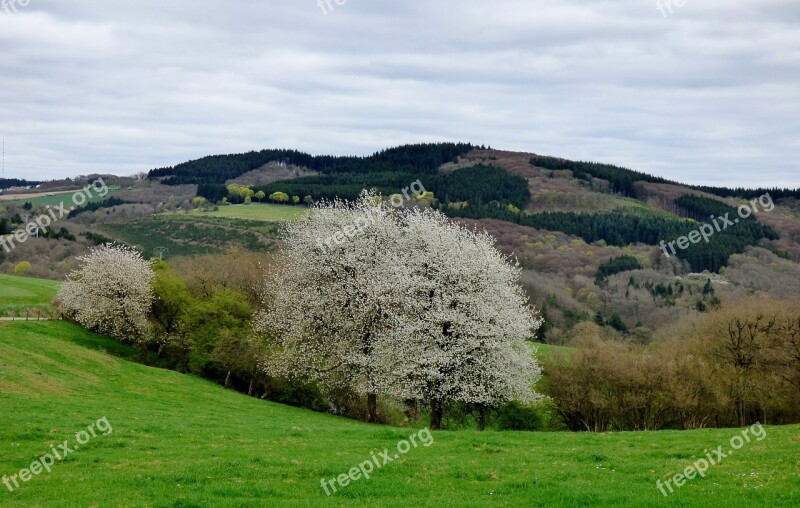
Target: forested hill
217, 169
590, 201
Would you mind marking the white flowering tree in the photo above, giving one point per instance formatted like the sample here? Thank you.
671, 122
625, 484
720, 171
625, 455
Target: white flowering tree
328, 302
465, 319
110, 293
402, 303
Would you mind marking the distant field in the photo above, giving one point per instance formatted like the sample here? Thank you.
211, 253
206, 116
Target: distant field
257, 211
18, 294
53, 199
180, 441
192, 234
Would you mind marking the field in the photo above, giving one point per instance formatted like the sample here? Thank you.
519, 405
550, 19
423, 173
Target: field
18, 294
185, 235
257, 211
180, 441
254, 227
53, 198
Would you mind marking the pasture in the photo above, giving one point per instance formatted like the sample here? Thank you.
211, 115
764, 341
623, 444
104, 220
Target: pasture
178, 440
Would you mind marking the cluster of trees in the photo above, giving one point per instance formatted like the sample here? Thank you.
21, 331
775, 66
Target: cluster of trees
194, 316
476, 188
96, 205
616, 265
7, 183
217, 169
413, 312
742, 192
738, 366
620, 229
620, 179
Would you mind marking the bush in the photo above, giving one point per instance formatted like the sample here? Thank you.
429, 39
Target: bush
518, 416
22, 268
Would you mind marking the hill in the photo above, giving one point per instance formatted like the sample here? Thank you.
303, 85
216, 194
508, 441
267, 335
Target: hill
177, 440
570, 224
588, 235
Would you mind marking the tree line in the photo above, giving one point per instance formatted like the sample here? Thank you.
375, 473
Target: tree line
477, 186
620, 229
737, 366
622, 180
217, 169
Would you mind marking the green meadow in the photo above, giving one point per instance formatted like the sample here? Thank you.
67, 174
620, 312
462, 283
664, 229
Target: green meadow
257, 211
18, 294
181, 441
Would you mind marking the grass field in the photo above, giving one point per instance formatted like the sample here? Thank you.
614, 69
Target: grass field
258, 211
179, 441
18, 294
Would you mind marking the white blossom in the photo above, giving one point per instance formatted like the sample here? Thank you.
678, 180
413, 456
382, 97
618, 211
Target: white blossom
411, 305
110, 292
465, 320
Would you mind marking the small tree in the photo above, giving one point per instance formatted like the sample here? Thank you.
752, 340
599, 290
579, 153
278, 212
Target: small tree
279, 197
110, 293
22, 268
260, 195
199, 201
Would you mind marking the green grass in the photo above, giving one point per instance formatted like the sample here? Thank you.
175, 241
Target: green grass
546, 351
180, 441
18, 294
258, 211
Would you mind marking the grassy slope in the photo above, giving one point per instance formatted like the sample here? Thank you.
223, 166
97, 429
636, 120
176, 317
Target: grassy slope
18, 294
182, 441
257, 211
205, 232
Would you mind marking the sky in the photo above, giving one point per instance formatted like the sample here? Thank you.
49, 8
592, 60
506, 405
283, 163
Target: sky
703, 92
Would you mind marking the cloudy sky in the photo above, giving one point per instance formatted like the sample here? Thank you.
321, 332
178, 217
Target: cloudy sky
706, 92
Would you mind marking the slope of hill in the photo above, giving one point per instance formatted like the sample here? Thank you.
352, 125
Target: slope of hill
18, 294
564, 220
177, 440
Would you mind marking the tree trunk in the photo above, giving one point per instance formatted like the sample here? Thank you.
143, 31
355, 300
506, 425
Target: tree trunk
436, 415
372, 408
228, 380
252, 385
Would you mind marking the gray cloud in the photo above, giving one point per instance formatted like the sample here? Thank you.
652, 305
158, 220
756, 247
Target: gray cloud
708, 94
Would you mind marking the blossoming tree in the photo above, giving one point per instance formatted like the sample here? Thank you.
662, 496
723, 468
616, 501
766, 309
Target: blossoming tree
328, 303
402, 303
110, 293
465, 319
